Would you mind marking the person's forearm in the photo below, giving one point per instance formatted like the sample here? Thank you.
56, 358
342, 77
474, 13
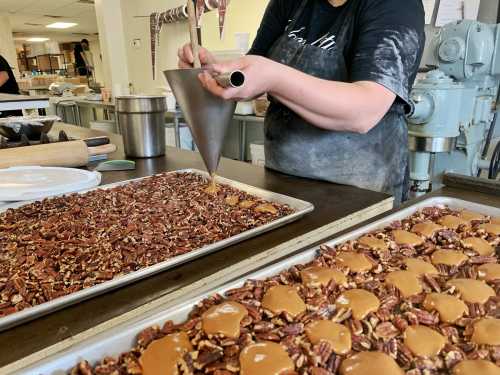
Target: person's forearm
4, 77
328, 104
311, 117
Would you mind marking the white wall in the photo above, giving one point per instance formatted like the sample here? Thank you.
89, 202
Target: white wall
7, 46
172, 36
95, 48
242, 16
112, 26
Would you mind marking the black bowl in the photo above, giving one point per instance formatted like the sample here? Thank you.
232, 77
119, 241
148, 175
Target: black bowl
33, 132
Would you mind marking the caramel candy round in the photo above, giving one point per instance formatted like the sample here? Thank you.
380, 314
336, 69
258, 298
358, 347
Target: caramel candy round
370, 363
471, 216
283, 298
492, 229
360, 301
476, 367
266, 208
479, 245
373, 243
424, 341
247, 204
212, 188
320, 276
232, 200
356, 262
405, 281
337, 335
420, 267
473, 291
427, 228
489, 272
224, 319
161, 356
450, 308
452, 222
448, 257
487, 332
267, 358
402, 237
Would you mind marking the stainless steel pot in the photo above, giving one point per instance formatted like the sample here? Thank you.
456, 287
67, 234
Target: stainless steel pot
142, 124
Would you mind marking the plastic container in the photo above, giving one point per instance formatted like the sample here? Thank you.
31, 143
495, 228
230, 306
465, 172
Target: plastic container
242, 41
258, 154
244, 108
33, 183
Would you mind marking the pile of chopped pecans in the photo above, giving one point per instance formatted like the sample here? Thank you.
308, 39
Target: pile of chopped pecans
380, 331
58, 246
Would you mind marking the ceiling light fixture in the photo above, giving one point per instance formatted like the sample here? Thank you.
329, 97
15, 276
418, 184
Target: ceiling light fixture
61, 25
37, 39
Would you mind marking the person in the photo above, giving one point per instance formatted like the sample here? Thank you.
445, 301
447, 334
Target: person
338, 74
79, 51
8, 85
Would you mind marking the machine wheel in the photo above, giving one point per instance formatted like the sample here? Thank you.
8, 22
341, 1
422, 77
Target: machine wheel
495, 164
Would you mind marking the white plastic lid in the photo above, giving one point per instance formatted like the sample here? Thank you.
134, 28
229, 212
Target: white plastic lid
31, 183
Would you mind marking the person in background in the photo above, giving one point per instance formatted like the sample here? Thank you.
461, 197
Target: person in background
8, 85
339, 75
80, 65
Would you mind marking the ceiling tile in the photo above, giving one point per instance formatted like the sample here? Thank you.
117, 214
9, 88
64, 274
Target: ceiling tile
33, 11
9, 6
74, 10
43, 6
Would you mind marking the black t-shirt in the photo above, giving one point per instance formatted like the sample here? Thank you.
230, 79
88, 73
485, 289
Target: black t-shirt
385, 47
9, 87
79, 61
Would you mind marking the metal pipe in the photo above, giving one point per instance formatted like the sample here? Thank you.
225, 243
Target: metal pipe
489, 136
423, 108
420, 163
483, 164
234, 79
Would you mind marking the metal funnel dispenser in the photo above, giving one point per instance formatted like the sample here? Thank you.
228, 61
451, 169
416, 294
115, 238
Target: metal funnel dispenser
207, 115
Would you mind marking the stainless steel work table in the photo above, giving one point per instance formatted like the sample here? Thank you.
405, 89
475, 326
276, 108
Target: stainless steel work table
242, 120
176, 117
12, 102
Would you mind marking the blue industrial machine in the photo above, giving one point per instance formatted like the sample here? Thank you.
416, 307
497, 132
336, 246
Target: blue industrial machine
454, 106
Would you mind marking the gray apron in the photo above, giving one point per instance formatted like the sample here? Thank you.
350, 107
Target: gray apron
376, 161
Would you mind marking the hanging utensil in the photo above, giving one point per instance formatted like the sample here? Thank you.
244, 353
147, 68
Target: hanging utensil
195, 47
222, 16
156, 22
200, 10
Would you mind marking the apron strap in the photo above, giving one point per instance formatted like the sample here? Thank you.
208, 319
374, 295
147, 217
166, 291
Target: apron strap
296, 16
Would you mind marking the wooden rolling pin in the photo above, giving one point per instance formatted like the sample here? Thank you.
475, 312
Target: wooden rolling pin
63, 154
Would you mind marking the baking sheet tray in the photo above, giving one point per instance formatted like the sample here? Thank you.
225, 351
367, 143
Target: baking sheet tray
122, 337
300, 207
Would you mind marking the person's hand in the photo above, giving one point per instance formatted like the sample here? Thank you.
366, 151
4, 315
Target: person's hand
186, 59
260, 76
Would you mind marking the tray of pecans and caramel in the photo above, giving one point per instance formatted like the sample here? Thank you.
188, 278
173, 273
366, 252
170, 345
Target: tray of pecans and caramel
65, 249
414, 293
